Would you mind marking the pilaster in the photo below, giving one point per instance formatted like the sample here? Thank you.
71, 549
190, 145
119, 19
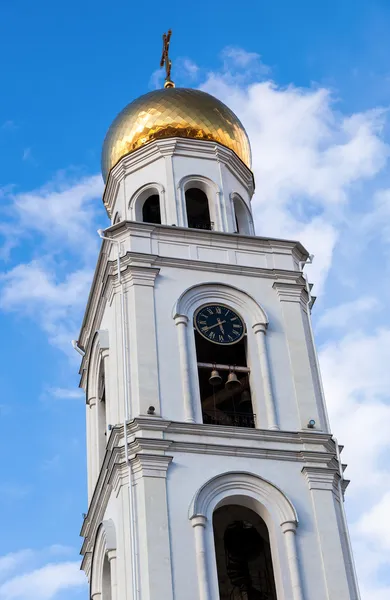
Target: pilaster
150, 471
293, 298
325, 496
141, 327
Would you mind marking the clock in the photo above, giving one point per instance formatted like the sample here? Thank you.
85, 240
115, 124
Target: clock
219, 324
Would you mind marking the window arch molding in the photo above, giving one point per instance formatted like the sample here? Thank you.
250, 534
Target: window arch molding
196, 295
105, 547
272, 505
242, 215
139, 198
256, 321
213, 193
117, 218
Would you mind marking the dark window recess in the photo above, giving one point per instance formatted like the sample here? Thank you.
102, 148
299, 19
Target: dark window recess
151, 210
222, 405
243, 555
197, 205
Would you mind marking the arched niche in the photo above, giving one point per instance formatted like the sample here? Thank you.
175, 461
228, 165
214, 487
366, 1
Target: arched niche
242, 216
200, 200
103, 571
270, 505
147, 205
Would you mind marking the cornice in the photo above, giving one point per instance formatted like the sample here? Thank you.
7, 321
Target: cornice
322, 478
150, 439
169, 147
150, 465
106, 269
292, 292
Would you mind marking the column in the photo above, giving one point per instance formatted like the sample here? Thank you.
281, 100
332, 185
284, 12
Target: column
259, 330
198, 522
336, 562
289, 529
111, 555
181, 322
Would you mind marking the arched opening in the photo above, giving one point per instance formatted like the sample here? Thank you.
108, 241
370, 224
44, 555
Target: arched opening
102, 414
106, 582
197, 206
151, 212
243, 555
116, 219
242, 216
223, 373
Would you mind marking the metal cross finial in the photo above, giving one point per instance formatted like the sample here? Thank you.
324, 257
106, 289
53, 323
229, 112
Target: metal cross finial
166, 60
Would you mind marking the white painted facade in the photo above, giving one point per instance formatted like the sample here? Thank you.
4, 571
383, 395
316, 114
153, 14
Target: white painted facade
153, 486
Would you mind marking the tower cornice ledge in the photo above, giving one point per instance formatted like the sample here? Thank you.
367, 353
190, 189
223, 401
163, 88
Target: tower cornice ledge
176, 146
151, 438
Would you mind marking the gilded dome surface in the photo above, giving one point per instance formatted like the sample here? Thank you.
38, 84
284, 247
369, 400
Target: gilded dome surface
173, 112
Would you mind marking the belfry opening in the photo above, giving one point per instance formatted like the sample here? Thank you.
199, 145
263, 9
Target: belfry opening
243, 555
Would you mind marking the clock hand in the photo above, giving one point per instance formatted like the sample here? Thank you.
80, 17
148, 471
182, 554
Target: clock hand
220, 326
216, 324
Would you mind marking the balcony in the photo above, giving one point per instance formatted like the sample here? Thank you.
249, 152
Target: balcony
232, 419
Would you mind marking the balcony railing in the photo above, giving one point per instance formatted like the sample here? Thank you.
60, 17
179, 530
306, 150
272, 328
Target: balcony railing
234, 419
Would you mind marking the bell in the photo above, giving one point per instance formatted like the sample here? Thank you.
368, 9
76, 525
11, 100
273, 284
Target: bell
232, 384
215, 378
245, 400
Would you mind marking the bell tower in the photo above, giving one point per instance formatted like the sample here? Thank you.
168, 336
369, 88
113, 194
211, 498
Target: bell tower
212, 471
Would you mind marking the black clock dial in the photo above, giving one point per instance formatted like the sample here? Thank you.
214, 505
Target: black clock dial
219, 324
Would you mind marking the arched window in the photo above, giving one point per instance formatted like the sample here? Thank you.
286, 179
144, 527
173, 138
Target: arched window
151, 210
242, 216
223, 373
116, 219
243, 554
102, 414
197, 206
106, 583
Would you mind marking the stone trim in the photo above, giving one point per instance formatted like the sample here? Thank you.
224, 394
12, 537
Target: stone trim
326, 479
292, 292
150, 465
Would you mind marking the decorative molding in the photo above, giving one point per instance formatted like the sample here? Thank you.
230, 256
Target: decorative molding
234, 482
320, 478
136, 275
150, 465
194, 296
103, 339
292, 292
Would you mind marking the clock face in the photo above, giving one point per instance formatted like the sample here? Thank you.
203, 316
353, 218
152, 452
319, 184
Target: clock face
219, 324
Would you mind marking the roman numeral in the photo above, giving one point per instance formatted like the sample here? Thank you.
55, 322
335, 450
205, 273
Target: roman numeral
234, 319
237, 325
220, 337
230, 338
218, 310
204, 328
211, 335
210, 311
203, 322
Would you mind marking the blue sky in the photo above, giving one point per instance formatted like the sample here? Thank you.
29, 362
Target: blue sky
311, 82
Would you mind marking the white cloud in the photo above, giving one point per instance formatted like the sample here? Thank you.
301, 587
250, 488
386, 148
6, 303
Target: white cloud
44, 582
66, 394
35, 290
307, 159
357, 383
344, 314
62, 211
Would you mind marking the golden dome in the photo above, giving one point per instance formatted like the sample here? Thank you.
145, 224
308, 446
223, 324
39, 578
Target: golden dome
173, 112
